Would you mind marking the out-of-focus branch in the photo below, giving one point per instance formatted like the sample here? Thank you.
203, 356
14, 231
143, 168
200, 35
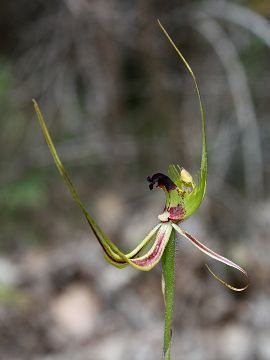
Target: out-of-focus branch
243, 103
239, 15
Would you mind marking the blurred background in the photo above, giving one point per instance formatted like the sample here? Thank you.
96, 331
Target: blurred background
121, 106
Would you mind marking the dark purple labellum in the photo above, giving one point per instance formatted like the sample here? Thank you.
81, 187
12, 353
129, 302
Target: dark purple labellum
161, 180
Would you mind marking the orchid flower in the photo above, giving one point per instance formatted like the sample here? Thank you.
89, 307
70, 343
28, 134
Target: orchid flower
183, 197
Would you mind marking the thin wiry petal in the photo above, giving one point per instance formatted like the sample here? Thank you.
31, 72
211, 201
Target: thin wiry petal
193, 201
111, 251
213, 255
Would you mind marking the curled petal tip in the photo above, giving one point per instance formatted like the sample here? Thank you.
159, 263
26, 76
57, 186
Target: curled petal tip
229, 286
215, 256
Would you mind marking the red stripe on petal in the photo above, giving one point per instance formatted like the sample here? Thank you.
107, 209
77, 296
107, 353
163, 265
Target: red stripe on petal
213, 255
155, 253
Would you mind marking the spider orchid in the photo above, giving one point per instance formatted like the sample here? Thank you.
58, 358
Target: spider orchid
183, 197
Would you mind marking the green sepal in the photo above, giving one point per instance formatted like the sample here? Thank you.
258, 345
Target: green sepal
195, 197
111, 252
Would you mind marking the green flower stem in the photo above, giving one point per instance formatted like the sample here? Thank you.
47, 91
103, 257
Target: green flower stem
168, 270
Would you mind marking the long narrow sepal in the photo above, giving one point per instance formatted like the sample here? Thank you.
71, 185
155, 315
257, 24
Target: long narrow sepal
111, 251
215, 256
193, 201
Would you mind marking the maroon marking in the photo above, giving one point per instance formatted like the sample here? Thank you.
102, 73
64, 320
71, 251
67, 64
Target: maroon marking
176, 212
214, 254
153, 255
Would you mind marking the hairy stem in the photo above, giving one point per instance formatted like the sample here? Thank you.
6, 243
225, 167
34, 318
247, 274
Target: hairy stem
168, 269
